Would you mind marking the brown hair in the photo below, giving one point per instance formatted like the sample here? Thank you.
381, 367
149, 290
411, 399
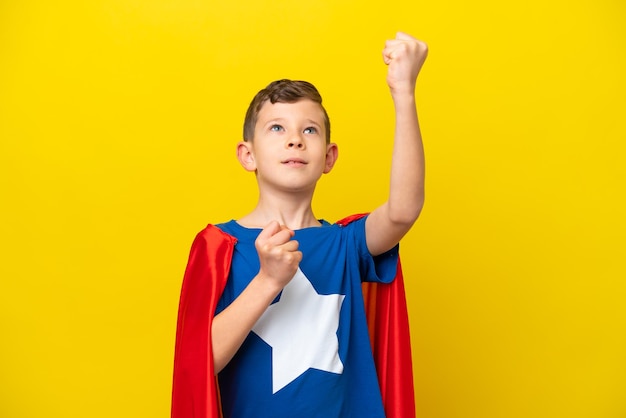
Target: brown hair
282, 91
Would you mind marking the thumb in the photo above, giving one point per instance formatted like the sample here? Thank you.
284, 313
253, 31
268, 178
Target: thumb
275, 234
269, 230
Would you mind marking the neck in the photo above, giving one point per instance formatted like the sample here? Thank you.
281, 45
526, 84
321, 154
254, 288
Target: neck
291, 210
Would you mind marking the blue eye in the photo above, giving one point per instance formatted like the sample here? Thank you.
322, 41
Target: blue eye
276, 128
310, 130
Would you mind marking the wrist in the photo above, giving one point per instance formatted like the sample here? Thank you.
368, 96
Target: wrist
405, 94
404, 101
267, 285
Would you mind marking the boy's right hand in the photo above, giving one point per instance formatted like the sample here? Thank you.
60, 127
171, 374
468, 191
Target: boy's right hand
278, 254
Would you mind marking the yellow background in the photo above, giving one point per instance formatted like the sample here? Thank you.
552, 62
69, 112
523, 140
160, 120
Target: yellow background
118, 121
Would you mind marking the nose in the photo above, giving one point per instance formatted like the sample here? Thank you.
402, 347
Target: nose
295, 142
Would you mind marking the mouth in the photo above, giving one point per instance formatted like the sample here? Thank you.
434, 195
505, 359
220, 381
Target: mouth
294, 162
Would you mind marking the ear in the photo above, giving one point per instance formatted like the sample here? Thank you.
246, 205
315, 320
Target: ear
332, 153
246, 156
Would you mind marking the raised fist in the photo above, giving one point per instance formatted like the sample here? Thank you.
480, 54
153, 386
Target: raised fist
405, 56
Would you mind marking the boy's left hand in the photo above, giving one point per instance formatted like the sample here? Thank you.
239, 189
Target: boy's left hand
405, 56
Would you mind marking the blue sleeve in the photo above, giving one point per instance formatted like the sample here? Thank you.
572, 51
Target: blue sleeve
381, 268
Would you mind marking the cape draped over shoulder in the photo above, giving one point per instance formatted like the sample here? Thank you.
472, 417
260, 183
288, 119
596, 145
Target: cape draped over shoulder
195, 391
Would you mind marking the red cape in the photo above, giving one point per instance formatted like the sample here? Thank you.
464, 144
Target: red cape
195, 393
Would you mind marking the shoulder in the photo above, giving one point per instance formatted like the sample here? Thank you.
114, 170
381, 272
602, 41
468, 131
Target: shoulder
349, 219
214, 234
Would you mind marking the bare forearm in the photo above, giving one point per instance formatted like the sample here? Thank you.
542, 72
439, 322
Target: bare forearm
388, 223
279, 259
406, 191
232, 325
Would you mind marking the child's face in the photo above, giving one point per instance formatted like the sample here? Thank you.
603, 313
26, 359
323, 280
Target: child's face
289, 149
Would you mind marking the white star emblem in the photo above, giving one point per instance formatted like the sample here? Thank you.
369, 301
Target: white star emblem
301, 328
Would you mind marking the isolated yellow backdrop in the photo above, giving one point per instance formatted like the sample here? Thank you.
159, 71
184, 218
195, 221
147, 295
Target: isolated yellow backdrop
118, 121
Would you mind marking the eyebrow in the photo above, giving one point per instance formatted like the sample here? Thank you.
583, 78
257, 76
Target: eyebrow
314, 123
282, 120
274, 121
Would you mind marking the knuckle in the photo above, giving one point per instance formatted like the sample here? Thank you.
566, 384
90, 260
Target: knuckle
265, 248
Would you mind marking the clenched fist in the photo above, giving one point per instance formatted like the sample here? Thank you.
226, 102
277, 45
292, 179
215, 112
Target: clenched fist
405, 56
278, 254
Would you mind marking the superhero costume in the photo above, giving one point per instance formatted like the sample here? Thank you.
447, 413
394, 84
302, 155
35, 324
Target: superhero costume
195, 391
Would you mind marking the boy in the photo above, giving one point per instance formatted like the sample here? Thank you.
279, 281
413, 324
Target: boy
289, 337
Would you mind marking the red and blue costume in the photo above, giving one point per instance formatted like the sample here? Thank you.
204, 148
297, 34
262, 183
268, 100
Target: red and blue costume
195, 390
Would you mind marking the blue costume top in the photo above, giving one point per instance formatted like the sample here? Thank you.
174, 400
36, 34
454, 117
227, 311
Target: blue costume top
309, 355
